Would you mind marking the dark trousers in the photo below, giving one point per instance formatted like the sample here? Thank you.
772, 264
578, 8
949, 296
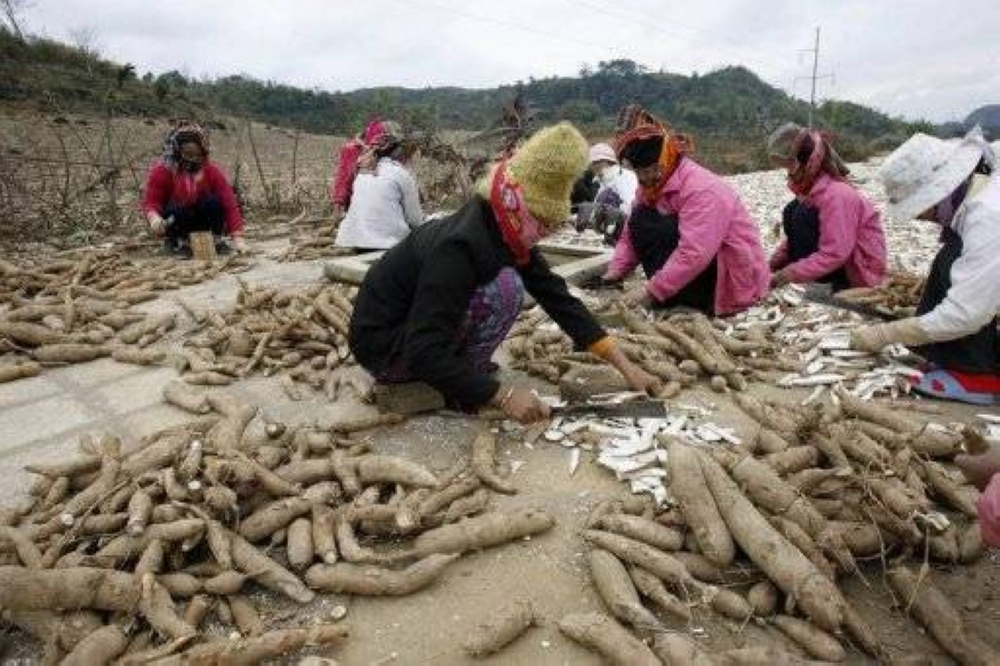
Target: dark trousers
654, 237
204, 215
801, 225
978, 353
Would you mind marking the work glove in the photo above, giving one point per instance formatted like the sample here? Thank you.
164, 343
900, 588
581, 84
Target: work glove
157, 224
873, 338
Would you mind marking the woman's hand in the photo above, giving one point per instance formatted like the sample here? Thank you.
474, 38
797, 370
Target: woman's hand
521, 404
642, 381
979, 469
240, 245
637, 297
156, 224
779, 279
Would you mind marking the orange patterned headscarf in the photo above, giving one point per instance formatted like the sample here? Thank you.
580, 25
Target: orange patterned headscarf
635, 124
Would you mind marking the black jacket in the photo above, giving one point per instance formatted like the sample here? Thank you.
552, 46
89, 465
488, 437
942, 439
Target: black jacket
414, 299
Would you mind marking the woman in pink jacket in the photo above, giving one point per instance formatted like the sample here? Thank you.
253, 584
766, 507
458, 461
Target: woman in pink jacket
696, 242
833, 234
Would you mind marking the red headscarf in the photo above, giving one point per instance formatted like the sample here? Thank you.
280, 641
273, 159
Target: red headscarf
511, 213
636, 124
822, 159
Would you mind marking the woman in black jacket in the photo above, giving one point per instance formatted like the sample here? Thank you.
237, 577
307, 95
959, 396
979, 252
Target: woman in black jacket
438, 304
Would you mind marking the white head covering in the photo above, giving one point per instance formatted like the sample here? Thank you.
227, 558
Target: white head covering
602, 152
924, 170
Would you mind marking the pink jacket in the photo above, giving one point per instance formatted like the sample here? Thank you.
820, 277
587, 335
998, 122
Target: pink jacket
713, 223
988, 507
850, 235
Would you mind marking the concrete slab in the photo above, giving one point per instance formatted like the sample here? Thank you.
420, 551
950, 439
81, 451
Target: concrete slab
27, 390
101, 371
146, 421
44, 418
135, 392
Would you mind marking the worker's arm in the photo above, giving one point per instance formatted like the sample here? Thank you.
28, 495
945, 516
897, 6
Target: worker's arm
410, 198
974, 297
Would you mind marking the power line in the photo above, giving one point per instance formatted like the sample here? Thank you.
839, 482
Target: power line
735, 50
814, 77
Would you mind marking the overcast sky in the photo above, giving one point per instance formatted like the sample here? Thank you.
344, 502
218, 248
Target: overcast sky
916, 58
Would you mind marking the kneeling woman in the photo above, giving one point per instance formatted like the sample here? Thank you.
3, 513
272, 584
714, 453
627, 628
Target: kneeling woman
438, 304
833, 234
688, 229
957, 318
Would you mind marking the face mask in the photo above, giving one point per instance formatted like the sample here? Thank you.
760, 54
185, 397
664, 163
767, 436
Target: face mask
191, 167
607, 176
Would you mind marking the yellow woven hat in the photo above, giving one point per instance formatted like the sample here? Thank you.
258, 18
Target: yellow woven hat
546, 167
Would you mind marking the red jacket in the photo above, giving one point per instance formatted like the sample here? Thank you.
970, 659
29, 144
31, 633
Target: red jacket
166, 187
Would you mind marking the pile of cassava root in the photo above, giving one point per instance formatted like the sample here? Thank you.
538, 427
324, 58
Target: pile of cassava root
300, 334
680, 349
123, 554
765, 532
898, 296
78, 308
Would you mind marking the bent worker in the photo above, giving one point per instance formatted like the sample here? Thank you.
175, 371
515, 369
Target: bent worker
385, 202
696, 242
833, 234
186, 192
342, 184
436, 306
956, 324
613, 201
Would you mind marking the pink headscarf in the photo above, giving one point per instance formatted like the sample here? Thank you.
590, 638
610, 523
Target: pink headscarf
988, 508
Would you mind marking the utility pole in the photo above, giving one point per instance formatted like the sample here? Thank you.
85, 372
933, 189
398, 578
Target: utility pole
815, 76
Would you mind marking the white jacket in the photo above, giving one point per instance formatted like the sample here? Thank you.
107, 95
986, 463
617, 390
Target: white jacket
385, 206
622, 182
974, 297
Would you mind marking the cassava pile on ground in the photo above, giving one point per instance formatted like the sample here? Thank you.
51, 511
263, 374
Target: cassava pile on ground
79, 307
681, 350
898, 296
767, 530
123, 554
300, 334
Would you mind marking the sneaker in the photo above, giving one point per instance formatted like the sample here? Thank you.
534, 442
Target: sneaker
177, 247
222, 246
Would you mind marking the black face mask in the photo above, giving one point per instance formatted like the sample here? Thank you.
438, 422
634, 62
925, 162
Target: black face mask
191, 167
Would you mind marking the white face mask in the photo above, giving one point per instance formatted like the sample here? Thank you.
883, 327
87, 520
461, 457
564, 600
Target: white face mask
607, 176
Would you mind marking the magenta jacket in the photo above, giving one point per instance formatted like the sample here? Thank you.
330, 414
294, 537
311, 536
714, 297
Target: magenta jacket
850, 235
713, 223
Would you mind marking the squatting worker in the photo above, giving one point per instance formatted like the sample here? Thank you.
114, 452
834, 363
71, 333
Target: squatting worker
187, 192
956, 324
615, 194
696, 242
833, 234
435, 307
385, 201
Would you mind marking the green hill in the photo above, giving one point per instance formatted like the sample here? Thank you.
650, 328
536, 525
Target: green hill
729, 111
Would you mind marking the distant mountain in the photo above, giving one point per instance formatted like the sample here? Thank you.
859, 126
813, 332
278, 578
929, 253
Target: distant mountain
729, 111
986, 116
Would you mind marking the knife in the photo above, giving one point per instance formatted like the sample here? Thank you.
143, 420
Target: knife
634, 409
